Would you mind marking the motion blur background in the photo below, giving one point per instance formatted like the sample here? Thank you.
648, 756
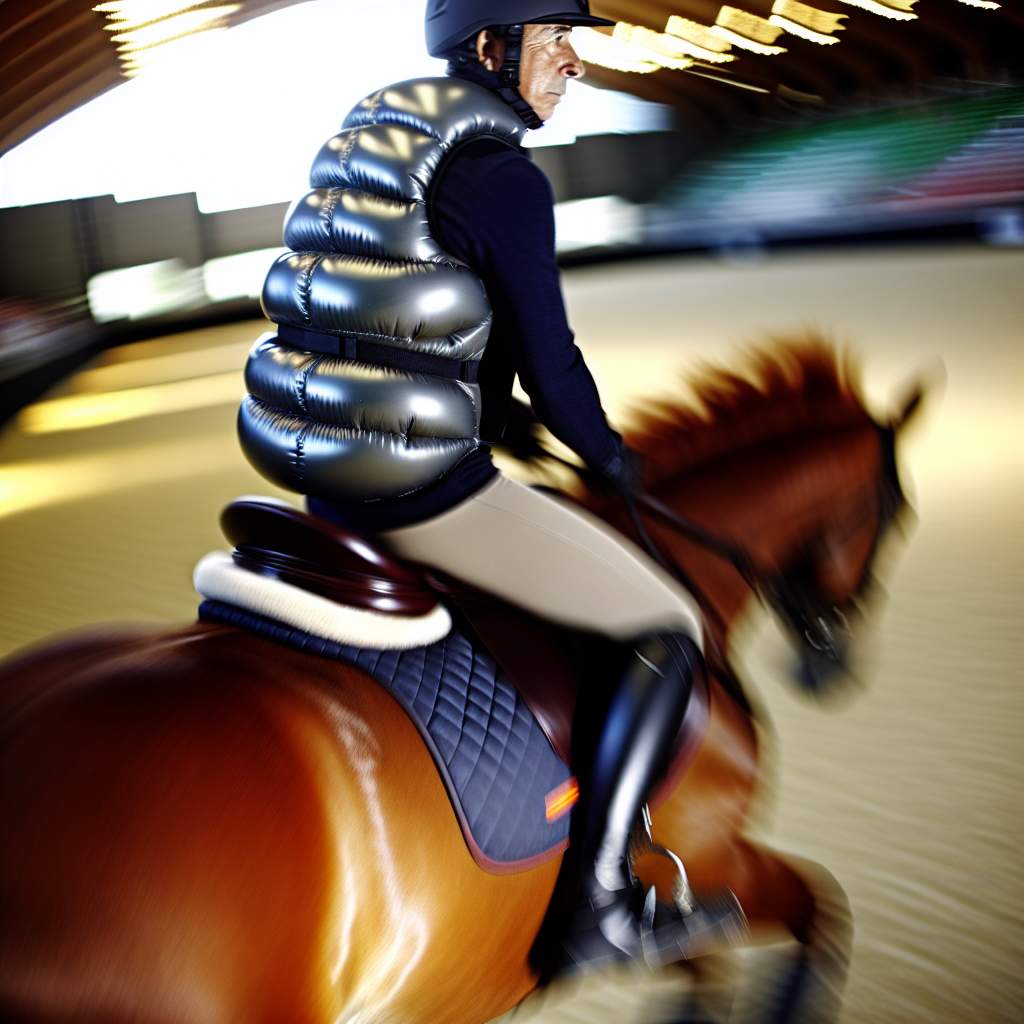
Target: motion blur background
724, 175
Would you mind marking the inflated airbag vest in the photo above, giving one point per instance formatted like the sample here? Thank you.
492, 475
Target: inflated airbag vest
367, 388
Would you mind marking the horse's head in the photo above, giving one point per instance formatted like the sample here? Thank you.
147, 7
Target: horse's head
780, 470
820, 593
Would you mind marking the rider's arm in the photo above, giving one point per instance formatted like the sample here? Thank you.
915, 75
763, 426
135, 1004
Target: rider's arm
510, 240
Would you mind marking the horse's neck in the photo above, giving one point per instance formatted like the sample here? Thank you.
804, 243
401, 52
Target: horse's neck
768, 500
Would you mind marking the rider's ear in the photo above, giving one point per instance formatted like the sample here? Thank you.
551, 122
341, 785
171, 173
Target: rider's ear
490, 50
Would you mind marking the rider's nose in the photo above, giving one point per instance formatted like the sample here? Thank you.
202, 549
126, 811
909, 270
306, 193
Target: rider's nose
574, 66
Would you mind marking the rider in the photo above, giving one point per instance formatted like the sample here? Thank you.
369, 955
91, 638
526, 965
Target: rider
440, 500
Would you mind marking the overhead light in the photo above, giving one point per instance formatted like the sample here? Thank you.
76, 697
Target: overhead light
699, 39
747, 31
988, 5
127, 14
806, 22
668, 50
605, 51
736, 83
898, 10
143, 28
175, 27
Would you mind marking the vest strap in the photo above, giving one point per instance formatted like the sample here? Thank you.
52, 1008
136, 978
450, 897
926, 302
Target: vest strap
350, 346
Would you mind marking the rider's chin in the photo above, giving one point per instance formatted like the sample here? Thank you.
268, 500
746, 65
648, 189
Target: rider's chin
551, 101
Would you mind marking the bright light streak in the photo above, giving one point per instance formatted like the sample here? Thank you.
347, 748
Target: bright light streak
606, 51
802, 31
171, 28
238, 277
222, 115
83, 412
136, 373
747, 30
602, 220
25, 486
746, 44
807, 22
898, 11
666, 51
131, 13
136, 292
698, 40
988, 5
198, 119
149, 32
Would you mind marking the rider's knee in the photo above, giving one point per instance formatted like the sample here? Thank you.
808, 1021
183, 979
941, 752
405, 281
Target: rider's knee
670, 652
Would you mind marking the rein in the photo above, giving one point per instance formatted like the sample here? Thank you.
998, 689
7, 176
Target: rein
758, 579
815, 625
737, 556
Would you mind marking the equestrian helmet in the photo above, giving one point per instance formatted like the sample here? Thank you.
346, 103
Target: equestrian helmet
451, 22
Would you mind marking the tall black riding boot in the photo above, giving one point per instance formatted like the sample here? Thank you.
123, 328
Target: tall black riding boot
614, 922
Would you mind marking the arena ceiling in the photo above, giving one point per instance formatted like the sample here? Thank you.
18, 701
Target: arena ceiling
56, 55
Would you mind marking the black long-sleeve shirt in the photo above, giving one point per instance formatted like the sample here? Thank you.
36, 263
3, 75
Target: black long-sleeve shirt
493, 209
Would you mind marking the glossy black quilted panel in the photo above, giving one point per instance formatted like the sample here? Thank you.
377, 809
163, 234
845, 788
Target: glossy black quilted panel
496, 763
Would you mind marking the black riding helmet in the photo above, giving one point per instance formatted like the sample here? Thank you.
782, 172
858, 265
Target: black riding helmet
451, 24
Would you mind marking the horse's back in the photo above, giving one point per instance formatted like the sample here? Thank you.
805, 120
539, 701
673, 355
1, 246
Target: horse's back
202, 825
165, 835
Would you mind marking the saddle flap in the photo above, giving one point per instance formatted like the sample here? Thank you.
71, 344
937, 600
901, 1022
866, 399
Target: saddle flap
532, 652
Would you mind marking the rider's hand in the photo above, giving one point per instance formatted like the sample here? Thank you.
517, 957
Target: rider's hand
521, 437
623, 470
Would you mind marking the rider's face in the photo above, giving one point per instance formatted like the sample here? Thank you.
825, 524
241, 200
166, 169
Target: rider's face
548, 59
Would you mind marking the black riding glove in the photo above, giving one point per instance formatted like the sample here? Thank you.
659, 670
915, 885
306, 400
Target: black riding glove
521, 436
622, 470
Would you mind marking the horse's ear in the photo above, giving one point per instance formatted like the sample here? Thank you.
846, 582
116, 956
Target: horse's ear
908, 408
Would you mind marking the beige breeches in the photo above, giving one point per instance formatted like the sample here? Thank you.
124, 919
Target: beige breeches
552, 558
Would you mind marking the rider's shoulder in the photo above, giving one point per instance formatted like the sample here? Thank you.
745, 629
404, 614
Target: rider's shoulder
496, 166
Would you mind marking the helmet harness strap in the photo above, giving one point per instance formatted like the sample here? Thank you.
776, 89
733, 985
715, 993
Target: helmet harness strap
504, 82
509, 77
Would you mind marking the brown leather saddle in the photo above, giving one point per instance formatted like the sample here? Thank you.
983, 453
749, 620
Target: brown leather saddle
541, 658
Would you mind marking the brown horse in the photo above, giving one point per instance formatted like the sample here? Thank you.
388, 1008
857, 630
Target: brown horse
200, 825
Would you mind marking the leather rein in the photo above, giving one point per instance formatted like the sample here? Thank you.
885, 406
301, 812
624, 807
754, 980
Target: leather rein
760, 580
770, 587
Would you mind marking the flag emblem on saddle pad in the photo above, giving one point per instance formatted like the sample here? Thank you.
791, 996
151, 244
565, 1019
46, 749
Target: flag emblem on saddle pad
561, 799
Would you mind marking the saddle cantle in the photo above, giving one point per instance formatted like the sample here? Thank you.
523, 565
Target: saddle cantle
314, 576
493, 696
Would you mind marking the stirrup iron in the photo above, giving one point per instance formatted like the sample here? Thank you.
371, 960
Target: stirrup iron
641, 843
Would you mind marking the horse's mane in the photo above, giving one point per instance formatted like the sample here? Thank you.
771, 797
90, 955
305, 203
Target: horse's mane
787, 387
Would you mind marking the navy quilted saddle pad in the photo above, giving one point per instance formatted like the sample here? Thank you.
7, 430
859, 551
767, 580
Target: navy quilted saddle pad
497, 765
